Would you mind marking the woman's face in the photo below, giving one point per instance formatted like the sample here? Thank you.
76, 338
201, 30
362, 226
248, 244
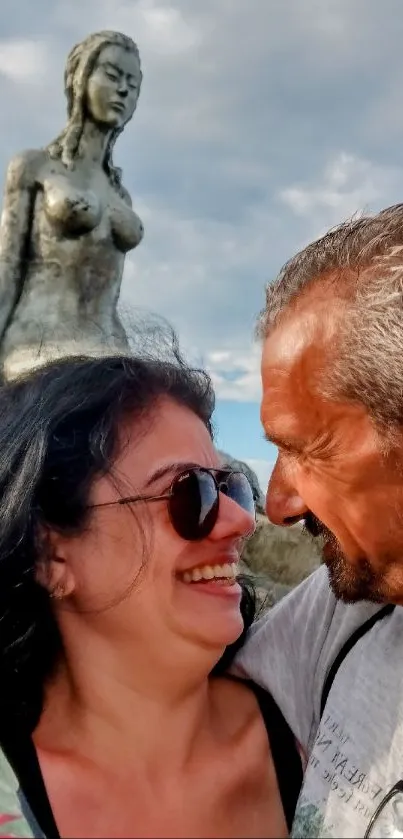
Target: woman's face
129, 567
114, 86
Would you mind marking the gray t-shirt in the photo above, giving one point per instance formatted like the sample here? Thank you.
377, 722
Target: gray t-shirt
355, 752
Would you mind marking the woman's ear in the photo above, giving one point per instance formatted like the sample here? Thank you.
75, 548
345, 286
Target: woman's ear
53, 571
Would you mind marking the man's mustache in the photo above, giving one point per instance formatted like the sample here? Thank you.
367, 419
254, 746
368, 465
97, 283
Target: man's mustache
315, 526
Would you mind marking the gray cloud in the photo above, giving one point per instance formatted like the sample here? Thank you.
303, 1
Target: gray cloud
259, 125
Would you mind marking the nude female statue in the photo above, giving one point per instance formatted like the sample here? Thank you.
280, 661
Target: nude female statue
67, 221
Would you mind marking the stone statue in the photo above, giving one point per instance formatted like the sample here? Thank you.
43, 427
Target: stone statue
240, 465
67, 220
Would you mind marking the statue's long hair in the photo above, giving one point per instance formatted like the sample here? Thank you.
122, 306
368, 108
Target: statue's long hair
80, 64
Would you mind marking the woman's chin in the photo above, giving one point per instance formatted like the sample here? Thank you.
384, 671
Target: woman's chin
208, 612
214, 629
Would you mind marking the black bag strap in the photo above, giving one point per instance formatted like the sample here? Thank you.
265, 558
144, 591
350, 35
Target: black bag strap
349, 644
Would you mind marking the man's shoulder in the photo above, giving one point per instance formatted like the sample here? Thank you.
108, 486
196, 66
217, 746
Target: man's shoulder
311, 613
290, 650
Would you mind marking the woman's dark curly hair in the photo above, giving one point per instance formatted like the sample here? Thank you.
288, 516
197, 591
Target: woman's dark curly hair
59, 430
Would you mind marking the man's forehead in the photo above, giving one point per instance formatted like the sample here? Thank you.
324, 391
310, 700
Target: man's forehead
284, 345
282, 413
304, 332
293, 359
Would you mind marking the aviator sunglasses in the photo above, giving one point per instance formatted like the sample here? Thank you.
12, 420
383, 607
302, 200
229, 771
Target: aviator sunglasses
194, 499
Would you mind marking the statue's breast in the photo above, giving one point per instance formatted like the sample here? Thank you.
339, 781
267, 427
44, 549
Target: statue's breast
127, 228
77, 211
74, 211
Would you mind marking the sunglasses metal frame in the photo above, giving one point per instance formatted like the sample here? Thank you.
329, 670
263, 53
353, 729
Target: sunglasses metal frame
133, 499
200, 533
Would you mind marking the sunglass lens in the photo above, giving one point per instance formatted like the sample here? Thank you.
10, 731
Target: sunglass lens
193, 504
238, 488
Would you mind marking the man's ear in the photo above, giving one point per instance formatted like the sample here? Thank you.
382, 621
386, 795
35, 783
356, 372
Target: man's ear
53, 570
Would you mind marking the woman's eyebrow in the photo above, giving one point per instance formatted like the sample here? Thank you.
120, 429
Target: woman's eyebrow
172, 469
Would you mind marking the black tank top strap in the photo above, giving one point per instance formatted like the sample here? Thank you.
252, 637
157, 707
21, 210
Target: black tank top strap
286, 757
21, 754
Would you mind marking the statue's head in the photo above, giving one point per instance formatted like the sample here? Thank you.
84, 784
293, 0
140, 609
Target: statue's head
102, 84
103, 79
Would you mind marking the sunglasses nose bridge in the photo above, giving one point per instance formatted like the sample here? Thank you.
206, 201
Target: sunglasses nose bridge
233, 520
235, 486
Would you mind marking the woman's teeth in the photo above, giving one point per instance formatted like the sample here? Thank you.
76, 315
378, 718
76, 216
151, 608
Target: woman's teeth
210, 572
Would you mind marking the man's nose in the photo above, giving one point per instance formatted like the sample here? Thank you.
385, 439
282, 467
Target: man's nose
284, 506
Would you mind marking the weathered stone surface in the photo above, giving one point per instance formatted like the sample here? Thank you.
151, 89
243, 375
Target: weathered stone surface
67, 220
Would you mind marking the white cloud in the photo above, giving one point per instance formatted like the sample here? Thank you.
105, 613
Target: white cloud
23, 61
205, 275
347, 185
159, 28
165, 28
235, 373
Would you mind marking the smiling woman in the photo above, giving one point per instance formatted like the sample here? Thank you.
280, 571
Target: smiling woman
121, 607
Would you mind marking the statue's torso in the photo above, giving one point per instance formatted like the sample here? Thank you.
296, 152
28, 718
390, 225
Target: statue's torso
81, 228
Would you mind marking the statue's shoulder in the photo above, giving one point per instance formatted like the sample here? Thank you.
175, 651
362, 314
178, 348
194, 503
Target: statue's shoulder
24, 167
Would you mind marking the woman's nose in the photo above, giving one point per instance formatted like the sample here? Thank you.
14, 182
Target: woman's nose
233, 521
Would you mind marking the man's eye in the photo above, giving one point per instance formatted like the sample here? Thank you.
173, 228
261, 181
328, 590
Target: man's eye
112, 77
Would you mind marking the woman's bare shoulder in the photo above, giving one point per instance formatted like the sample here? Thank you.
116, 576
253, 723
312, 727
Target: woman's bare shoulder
237, 702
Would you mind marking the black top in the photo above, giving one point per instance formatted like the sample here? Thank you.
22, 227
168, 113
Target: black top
23, 758
285, 754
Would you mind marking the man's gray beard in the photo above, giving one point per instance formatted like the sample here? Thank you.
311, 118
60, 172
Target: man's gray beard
352, 583
349, 583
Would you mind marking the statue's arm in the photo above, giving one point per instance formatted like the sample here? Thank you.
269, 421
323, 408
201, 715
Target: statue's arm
15, 229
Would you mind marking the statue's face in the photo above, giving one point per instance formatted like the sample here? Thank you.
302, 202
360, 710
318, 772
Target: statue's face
114, 86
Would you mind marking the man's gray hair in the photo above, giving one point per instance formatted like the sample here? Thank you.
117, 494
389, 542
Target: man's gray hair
363, 258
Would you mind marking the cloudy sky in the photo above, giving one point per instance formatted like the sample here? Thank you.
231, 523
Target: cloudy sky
260, 124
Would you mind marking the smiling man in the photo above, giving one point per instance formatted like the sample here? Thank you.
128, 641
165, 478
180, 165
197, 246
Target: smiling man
332, 652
